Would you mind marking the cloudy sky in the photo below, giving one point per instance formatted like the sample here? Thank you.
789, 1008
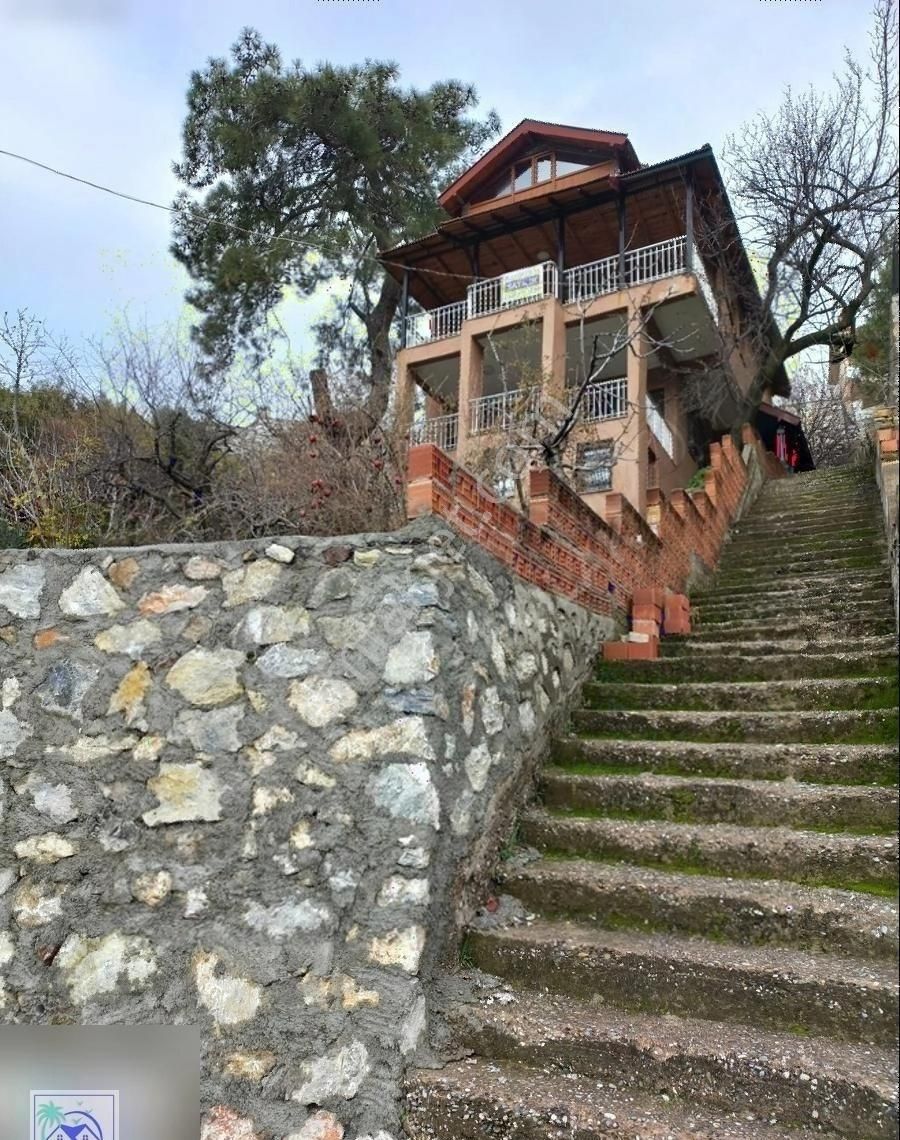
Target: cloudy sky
96, 88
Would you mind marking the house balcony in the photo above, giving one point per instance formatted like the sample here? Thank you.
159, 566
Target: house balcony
580, 284
605, 400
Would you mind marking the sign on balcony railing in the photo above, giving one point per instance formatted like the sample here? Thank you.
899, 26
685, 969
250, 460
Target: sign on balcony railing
514, 288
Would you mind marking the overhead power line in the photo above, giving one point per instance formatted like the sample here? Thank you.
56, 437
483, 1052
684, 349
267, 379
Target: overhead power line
221, 221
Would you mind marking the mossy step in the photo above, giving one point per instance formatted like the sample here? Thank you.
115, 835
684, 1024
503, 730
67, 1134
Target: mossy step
742, 552
746, 912
793, 647
824, 763
850, 726
717, 667
742, 1074
777, 612
479, 1099
790, 567
758, 532
705, 799
767, 988
858, 506
817, 693
850, 862
746, 539
766, 628
857, 583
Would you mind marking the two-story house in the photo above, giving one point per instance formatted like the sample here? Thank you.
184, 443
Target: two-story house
560, 249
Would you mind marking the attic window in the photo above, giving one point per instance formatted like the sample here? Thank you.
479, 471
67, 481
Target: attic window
540, 168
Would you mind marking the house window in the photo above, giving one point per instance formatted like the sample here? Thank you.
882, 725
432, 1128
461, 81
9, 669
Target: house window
595, 463
543, 168
657, 397
532, 171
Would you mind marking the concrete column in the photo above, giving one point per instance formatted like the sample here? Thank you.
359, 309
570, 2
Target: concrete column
633, 460
553, 351
471, 380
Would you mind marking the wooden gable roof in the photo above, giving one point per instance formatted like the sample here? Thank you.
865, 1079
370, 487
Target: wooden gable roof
531, 133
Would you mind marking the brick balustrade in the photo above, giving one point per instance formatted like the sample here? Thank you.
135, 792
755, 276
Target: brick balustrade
565, 547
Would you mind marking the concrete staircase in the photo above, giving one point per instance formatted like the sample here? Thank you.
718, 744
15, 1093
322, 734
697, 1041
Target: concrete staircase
701, 938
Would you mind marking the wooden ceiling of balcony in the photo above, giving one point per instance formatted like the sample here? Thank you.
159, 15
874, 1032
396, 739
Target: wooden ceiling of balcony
511, 236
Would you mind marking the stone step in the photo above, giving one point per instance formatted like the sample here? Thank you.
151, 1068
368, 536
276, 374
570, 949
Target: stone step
713, 667
760, 531
848, 862
704, 799
817, 693
784, 615
797, 726
480, 1099
734, 577
748, 912
749, 543
766, 628
796, 647
774, 988
750, 1073
823, 763
851, 502
850, 584
749, 555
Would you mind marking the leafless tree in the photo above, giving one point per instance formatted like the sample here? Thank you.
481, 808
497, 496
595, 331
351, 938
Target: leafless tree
24, 345
815, 185
831, 423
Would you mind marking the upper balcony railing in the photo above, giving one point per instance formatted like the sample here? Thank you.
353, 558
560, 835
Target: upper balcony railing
581, 283
639, 267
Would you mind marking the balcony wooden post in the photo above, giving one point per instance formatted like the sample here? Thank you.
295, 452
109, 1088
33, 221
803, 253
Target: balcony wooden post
404, 307
689, 224
620, 210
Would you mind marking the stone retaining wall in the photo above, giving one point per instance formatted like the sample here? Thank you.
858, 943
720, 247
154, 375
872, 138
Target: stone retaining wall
253, 786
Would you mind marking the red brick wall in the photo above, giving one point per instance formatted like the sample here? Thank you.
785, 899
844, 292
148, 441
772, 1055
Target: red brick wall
566, 548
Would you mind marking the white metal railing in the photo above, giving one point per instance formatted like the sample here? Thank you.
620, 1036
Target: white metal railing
511, 289
436, 324
592, 280
639, 266
534, 282
442, 431
491, 413
660, 429
605, 400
